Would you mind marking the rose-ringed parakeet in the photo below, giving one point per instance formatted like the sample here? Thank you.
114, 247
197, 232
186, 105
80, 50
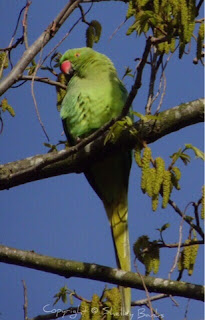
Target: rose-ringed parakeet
94, 96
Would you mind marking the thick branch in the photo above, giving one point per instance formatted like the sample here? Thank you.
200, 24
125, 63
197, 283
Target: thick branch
77, 158
33, 50
69, 268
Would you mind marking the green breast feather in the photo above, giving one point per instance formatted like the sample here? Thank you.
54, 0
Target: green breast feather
93, 98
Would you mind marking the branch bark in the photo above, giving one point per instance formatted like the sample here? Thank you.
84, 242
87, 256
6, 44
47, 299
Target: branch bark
77, 158
69, 268
40, 43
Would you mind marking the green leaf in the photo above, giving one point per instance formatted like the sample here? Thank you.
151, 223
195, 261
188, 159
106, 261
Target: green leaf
189, 218
147, 117
64, 297
180, 154
144, 19
128, 73
176, 155
164, 227
7, 107
131, 10
52, 147
198, 153
185, 158
62, 294
56, 58
115, 130
131, 29
58, 298
31, 70
48, 145
71, 298
4, 60
33, 62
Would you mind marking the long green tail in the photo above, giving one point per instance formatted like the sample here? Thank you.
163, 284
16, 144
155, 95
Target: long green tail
117, 215
109, 178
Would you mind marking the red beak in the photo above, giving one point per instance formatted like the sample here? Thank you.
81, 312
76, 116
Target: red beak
66, 67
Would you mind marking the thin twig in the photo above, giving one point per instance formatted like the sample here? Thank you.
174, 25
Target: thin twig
196, 206
199, 20
138, 81
151, 81
25, 306
66, 35
156, 314
25, 24
149, 304
186, 310
14, 33
33, 50
174, 301
176, 208
154, 71
11, 42
117, 29
2, 124
162, 77
158, 90
198, 7
163, 92
178, 249
33, 94
18, 41
18, 85
77, 296
83, 14
145, 301
175, 245
43, 80
61, 41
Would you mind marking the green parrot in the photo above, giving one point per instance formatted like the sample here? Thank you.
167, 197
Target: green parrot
94, 96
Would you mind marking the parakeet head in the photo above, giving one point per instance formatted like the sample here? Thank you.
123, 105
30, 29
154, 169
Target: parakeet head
83, 61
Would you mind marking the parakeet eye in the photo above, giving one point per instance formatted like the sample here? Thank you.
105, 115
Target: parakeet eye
77, 54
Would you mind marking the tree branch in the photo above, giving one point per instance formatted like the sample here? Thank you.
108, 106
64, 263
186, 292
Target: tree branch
144, 301
58, 314
77, 158
44, 80
33, 50
25, 306
18, 41
185, 218
175, 245
69, 268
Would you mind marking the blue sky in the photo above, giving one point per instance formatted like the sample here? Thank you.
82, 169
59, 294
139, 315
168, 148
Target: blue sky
62, 216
